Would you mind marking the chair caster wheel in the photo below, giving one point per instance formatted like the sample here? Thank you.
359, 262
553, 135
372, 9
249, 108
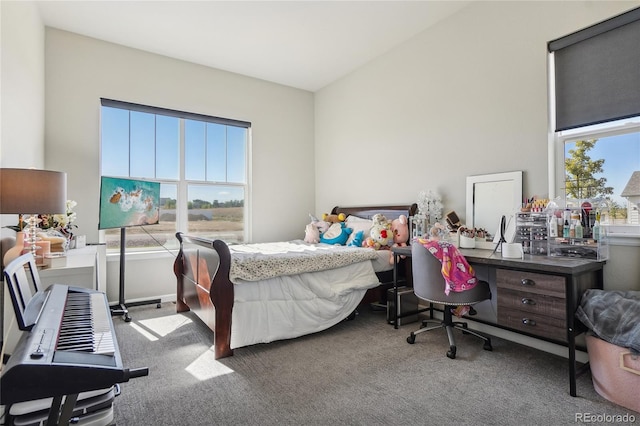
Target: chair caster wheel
451, 353
127, 318
411, 339
487, 346
465, 326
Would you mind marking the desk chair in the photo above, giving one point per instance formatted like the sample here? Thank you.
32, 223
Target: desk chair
428, 284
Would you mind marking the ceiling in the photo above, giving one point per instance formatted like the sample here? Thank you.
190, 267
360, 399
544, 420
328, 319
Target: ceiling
303, 44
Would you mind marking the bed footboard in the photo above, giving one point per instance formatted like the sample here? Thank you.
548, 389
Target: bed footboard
203, 286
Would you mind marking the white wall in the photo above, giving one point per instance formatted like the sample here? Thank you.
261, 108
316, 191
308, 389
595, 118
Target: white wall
21, 110
466, 97
81, 70
21, 91
22, 85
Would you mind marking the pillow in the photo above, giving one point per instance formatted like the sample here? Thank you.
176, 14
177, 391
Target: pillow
358, 224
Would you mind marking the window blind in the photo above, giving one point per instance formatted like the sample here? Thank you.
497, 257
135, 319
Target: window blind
173, 113
597, 72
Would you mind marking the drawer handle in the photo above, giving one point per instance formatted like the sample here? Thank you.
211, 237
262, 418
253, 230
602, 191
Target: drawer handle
527, 321
526, 301
624, 367
527, 281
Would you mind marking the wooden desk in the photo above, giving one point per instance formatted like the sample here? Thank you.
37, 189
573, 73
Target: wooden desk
536, 296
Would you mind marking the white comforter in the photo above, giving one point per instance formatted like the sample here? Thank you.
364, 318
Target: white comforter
289, 306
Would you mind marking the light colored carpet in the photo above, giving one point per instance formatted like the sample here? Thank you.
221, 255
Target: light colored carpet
360, 372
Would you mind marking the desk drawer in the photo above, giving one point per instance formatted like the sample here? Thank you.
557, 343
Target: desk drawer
538, 325
530, 282
532, 303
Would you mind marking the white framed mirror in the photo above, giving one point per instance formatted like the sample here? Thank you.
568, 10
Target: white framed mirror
489, 197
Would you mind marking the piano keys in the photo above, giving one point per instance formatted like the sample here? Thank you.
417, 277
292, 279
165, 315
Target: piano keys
84, 327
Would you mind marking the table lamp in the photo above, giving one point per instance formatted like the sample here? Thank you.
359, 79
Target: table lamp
32, 191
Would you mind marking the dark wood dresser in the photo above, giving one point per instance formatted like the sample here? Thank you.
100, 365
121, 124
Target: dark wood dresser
537, 296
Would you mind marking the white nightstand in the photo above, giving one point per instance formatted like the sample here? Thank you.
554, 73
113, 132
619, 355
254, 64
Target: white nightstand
84, 267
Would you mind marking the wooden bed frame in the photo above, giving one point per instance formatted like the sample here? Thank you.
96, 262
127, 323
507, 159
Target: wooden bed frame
203, 284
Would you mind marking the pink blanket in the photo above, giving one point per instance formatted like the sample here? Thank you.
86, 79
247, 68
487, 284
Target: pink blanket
458, 274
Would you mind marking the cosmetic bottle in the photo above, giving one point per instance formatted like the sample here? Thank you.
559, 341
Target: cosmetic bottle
578, 229
553, 226
596, 227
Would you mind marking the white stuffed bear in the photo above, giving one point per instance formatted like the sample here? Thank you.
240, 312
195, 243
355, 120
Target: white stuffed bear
381, 235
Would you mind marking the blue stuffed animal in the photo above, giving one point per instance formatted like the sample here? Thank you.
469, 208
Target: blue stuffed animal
337, 233
357, 240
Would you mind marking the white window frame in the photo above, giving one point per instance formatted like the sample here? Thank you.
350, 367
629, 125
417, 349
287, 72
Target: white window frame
182, 184
618, 234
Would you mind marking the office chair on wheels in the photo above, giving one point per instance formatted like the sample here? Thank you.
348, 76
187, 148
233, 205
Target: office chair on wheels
429, 284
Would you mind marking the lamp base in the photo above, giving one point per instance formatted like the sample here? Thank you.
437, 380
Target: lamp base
15, 251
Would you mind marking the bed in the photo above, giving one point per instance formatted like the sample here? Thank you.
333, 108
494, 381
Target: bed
259, 293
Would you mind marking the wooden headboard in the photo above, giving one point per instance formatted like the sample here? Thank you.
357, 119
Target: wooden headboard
367, 212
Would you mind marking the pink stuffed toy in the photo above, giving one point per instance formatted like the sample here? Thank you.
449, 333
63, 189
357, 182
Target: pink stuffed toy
400, 229
311, 234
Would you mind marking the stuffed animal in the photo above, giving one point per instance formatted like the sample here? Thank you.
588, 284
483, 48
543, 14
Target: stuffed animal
400, 229
381, 236
320, 224
334, 218
311, 234
357, 240
337, 233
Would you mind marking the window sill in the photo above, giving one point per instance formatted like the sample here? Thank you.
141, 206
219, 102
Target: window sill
140, 255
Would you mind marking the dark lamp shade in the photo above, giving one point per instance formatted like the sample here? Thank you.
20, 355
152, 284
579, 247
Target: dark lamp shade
32, 191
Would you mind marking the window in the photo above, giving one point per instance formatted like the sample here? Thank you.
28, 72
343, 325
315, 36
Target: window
594, 130
200, 162
602, 163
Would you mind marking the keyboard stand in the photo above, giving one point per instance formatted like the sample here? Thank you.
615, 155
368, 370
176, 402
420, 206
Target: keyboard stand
62, 418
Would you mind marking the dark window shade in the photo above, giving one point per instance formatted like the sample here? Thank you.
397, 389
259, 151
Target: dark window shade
173, 113
597, 72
